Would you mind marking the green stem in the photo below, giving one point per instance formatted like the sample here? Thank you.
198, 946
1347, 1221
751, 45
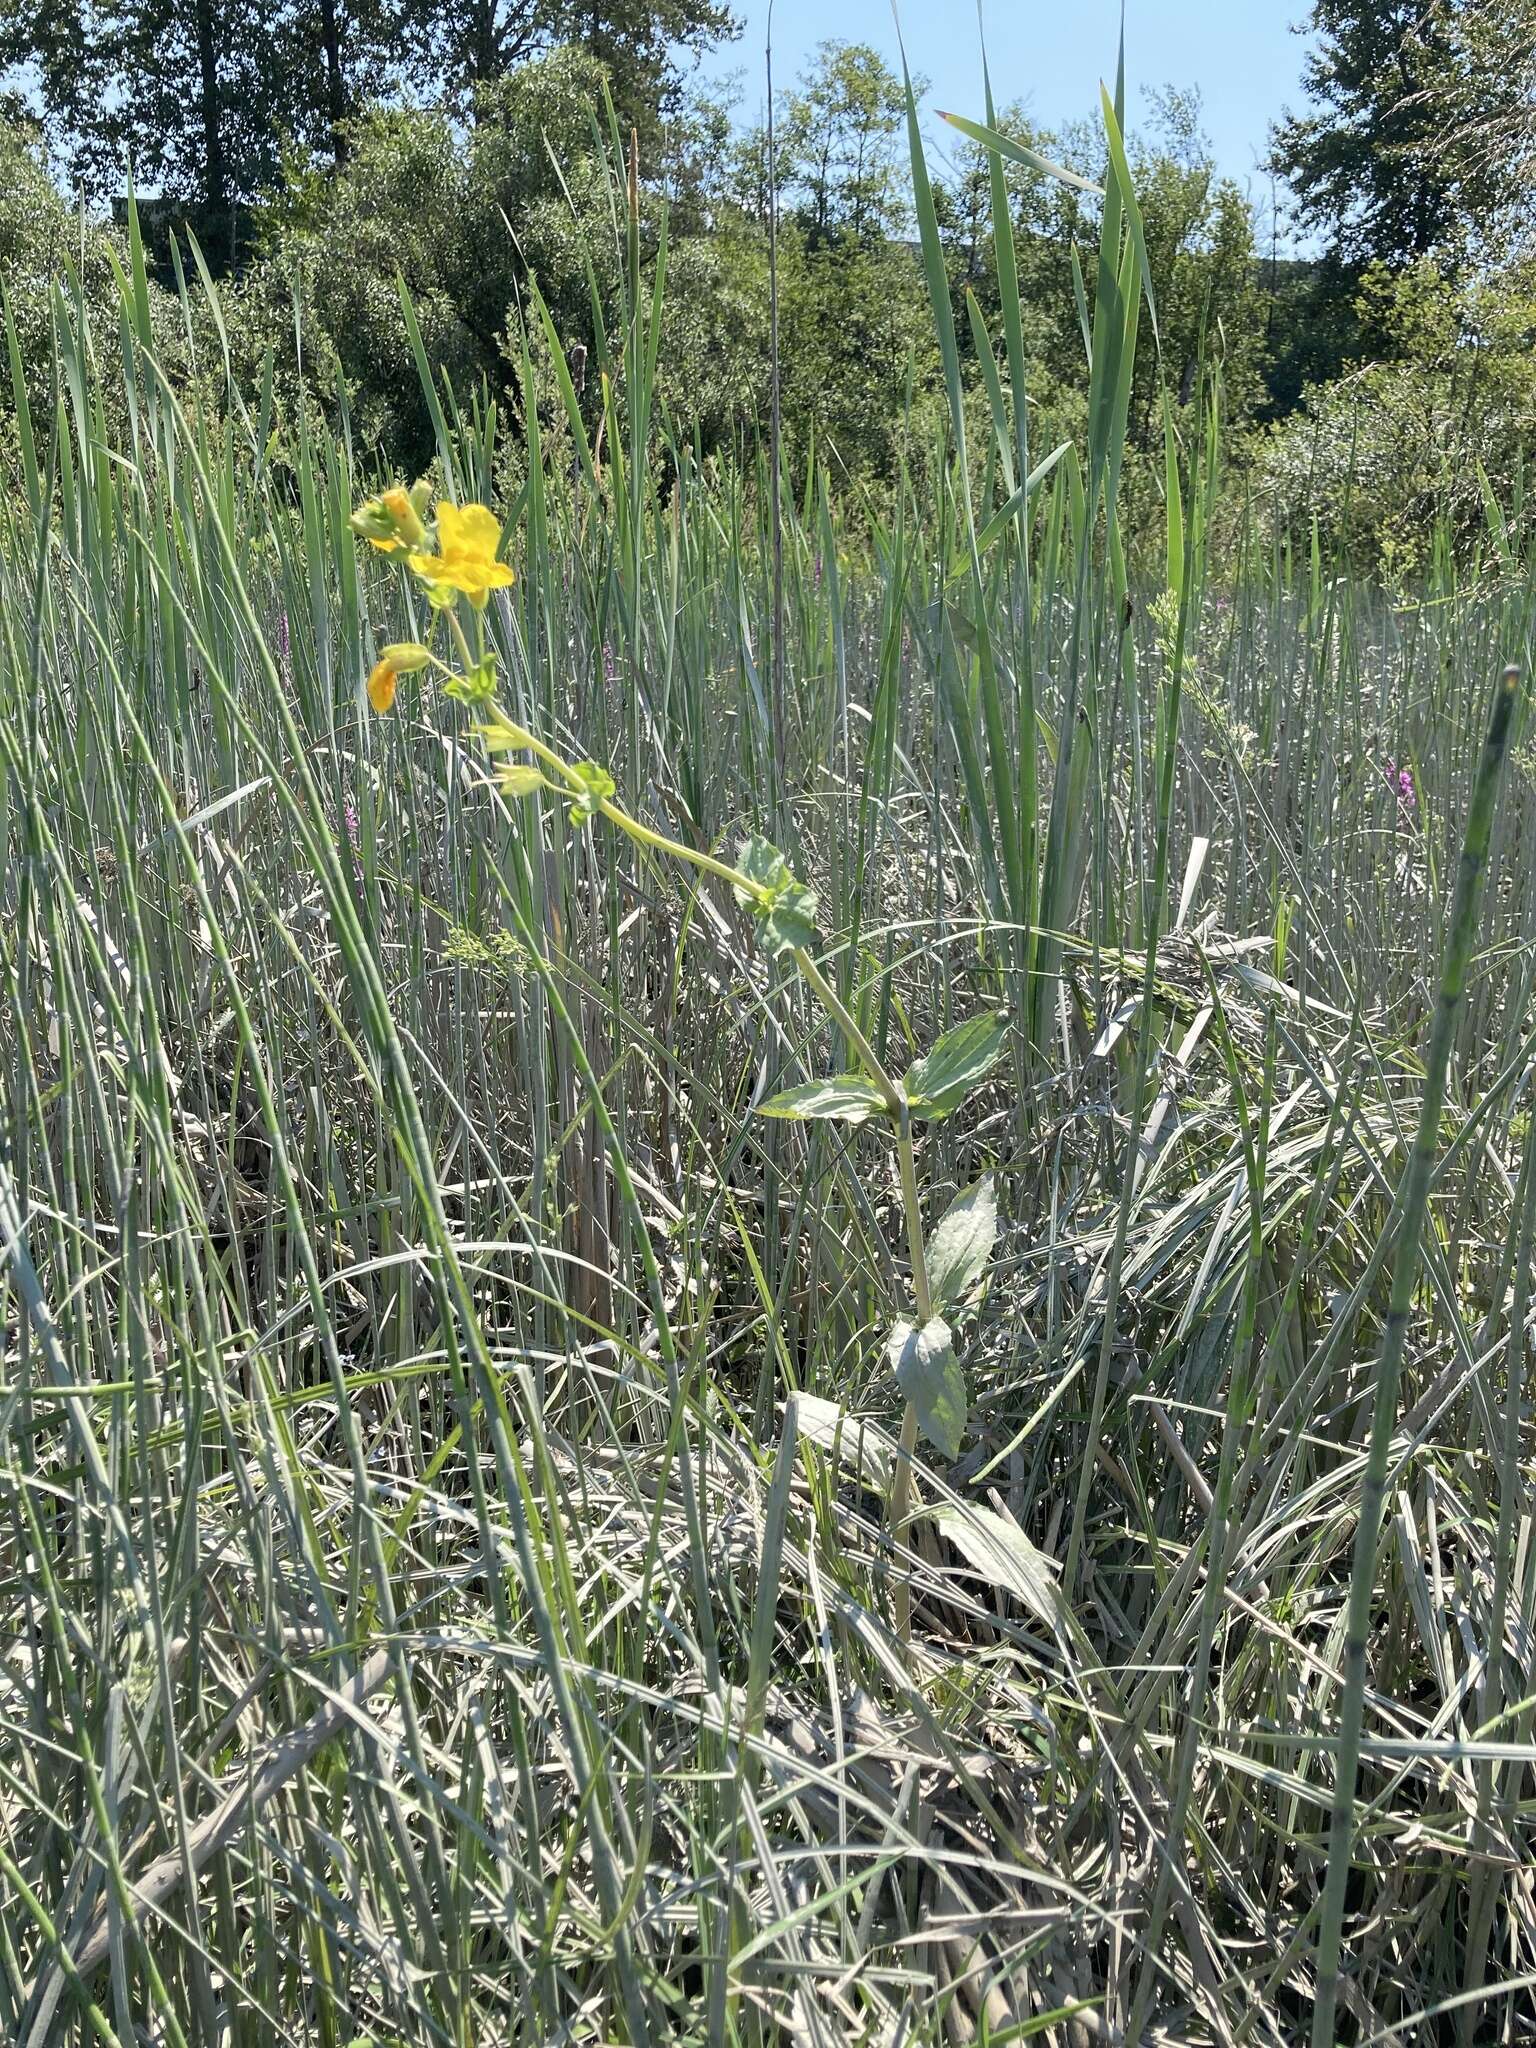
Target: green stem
900, 1506
457, 631
1405, 1274
657, 841
832, 1002
901, 1482
901, 1501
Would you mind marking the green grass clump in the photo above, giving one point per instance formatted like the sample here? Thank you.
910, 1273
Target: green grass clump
592, 1446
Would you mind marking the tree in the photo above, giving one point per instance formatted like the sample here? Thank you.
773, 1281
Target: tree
205, 98
1392, 163
459, 46
44, 241
333, 58
196, 96
842, 152
171, 85
1487, 105
1383, 459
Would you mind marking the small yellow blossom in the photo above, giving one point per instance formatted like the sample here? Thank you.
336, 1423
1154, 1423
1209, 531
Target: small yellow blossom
467, 538
399, 658
381, 686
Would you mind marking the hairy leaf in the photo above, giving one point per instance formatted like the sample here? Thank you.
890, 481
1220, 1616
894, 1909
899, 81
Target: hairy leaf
851, 1098
763, 864
1005, 1557
929, 1374
962, 1243
596, 785
789, 922
961, 1060
783, 908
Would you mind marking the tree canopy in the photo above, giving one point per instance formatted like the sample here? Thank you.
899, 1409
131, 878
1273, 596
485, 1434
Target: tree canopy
1420, 109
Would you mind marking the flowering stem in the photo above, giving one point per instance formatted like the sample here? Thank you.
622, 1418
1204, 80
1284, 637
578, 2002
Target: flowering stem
657, 841
458, 633
895, 1101
896, 1107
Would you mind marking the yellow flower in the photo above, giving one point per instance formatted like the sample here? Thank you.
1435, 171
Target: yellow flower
399, 658
381, 686
467, 538
392, 522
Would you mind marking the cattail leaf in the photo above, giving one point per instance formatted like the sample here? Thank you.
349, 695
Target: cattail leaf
1017, 153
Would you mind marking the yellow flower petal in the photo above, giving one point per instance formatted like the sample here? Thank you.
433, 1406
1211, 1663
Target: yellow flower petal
381, 686
467, 537
472, 530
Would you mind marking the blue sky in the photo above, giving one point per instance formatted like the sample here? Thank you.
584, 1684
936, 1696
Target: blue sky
1050, 54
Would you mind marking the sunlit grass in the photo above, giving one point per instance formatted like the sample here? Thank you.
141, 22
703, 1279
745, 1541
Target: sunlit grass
446, 1538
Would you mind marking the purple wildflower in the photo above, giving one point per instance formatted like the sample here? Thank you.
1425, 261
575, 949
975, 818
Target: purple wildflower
349, 820
610, 663
282, 637
1400, 782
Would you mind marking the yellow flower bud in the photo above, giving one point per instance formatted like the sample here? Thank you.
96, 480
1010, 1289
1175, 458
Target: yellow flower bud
404, 517
393, 522
406, 655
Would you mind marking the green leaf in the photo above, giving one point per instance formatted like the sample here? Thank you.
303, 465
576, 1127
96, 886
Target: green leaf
929, 1374
962, 1059
762, 864
961, 1245
857, 1441
852, 1098
1004, 1556
520, 778
790, 922
784, 909
596, 786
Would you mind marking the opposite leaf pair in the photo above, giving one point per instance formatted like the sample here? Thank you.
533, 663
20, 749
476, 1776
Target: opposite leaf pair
934, 1086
